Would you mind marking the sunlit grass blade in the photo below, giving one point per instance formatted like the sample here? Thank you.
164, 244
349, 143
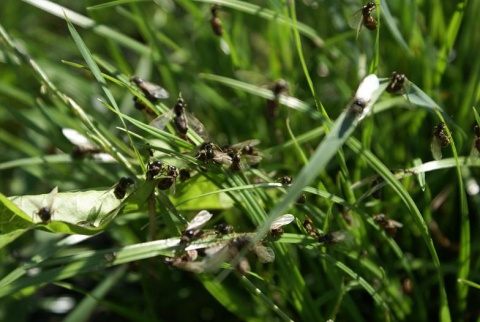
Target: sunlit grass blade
469, 283
89, 59
339, 133
389, 21
298, 45
85, 22
68, 266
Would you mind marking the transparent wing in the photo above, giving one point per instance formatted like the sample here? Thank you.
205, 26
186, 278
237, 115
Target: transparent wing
173, 187
223, 158
197, 126
153, 90
215, 250
51, 198
156, 91
239, 146
282, 221
265, 254
215, 256
161, 121
194, 267
436, 149
252, 159
199, 220
356, 21
395, 223
342, 236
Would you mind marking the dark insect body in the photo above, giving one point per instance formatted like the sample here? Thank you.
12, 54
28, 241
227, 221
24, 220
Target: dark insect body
45, 214
121, 187
184, 174
152, 92
279, 87
210, 152
440, 140
389, 225
397, 83
170, 179
215, 21
153, 169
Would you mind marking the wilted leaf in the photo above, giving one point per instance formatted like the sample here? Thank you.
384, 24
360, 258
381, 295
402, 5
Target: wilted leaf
82, 212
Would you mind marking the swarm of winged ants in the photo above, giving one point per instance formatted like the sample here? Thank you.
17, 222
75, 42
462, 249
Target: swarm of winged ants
204, 250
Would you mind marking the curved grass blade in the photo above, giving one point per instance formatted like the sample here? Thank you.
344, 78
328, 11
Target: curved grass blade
13, 221
100, 79
77, 110
339, 133
390, 22
420, 98
88, 23
61, 268
385, 173
464, 256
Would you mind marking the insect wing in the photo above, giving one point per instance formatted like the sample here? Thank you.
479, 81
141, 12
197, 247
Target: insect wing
367, 87
173, 186
436, 148
199, 220
356, 21
282, 221
51, 198
150, 89
161, 121
221, 157
394, 223
252, 159
265, 254
197, 126
342, 236
194, 267
215, 256
239, 146
46, 209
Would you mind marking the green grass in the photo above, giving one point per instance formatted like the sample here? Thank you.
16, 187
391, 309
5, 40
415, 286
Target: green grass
69, 67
